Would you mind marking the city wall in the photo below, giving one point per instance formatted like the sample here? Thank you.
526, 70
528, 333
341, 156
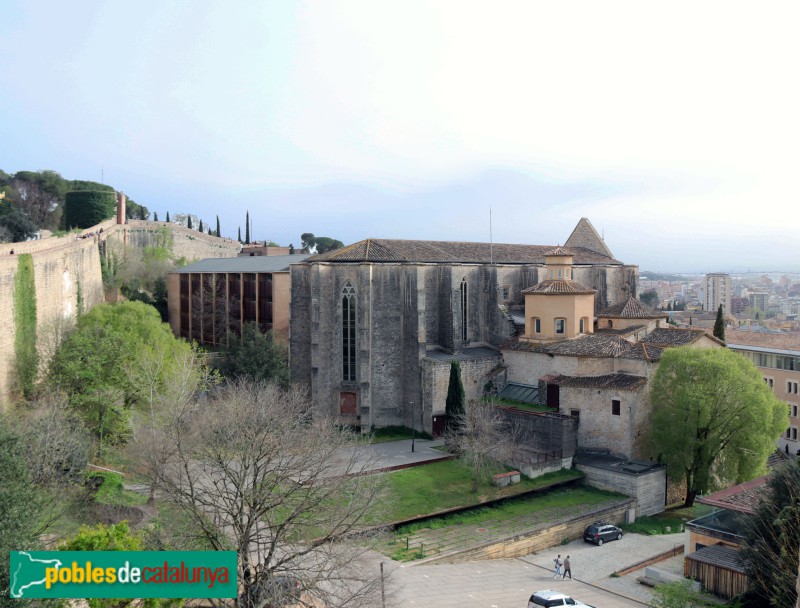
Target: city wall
64, 266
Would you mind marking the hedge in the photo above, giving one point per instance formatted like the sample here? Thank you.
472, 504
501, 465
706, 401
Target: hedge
86, 208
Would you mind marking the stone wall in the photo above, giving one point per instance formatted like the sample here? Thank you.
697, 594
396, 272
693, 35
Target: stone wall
58, 272
649, 488
61, 264
535, 540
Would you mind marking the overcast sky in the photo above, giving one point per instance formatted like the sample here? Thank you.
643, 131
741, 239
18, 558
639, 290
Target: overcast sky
674, 127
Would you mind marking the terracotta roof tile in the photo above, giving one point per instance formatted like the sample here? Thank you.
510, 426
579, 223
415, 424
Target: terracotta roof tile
559, 287
390, 250
742, 497
560, 251
632, 309
673, 336
626, 382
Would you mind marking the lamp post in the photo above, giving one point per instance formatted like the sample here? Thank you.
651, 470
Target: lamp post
413, 434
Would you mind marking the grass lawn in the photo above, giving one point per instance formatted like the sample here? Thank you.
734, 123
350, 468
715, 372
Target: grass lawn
668, 522
443, 485
526, 407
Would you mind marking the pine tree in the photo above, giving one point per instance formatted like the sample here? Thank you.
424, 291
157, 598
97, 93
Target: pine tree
200, 229
218, 234
155, 216
189, 222
247, 229
239, 237
167, 216
456, 399
719, 325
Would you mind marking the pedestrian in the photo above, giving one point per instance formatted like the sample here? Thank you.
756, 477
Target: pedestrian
567, 569
557, 562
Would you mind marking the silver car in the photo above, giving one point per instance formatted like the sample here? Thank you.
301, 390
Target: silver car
549, 598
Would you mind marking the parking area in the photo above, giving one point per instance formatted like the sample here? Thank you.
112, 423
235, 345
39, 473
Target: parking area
508, 583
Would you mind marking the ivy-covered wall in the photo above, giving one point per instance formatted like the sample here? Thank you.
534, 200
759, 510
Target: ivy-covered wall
26, 356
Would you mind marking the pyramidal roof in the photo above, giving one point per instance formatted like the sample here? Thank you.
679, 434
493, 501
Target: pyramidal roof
587, 237
559, 287
631, 309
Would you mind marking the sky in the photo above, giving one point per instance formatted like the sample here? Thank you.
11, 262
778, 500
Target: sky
674, 127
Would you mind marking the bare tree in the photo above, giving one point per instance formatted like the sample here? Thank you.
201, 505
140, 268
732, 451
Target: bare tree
258, 473
482, 440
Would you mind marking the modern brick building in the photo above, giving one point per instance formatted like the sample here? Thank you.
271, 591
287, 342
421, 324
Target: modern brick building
208, 299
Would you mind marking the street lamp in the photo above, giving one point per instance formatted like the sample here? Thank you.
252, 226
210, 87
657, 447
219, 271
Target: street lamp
413, 434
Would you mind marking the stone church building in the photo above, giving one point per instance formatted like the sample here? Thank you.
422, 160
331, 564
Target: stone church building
374, 325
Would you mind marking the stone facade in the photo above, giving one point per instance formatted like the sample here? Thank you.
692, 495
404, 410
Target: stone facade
647, 485
412, 298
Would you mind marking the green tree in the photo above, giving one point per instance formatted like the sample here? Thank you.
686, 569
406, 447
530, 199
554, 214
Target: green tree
200, 228
239, 235
114, 537
84, 209
714, 420
167, 216
247, 228
20, 508
307, 241
93, 365
155, 216
719, 325
218, 232
649, 297
18, 226
256, 356
772, 538
324, 244
456, 399
189, 222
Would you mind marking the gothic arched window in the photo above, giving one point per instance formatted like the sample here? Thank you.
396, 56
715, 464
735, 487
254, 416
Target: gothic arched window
348, 333
464, 309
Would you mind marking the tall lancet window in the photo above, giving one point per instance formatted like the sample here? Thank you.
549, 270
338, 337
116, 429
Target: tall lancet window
348, 333
464, 309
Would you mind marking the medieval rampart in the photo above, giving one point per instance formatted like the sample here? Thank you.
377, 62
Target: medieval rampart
67, 269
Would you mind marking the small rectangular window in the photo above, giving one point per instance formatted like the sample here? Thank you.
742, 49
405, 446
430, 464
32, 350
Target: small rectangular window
561, 326
537, 326
575, 414
794, 411
583, 326
615, 406
506, 294
794, 434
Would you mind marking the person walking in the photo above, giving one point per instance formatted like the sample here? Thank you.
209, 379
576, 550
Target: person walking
567, 569
557, 562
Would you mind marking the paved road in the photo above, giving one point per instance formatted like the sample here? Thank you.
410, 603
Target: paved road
508, 583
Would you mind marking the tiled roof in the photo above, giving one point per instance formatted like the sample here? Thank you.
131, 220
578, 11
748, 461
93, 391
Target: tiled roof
742, 497
561, 251
719, 555
586, 236
625, 382
762, 339
390, 250
632, 309
672, 336
616, 331
643, 352
559, 287
590, 345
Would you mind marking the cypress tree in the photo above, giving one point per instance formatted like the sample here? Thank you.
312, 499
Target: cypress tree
167, 216
456, 399
200, 229
189, 222
218, 234
719, 325
247, 228
155, 216
209, 231
239, 237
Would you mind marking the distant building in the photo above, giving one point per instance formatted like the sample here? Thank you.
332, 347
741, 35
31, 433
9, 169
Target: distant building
777, 356
739, 305
717, 291
210, 298
759, 300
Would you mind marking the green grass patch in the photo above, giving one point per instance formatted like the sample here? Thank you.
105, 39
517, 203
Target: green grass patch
395, 433
447, 484
663, 523
111, 490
